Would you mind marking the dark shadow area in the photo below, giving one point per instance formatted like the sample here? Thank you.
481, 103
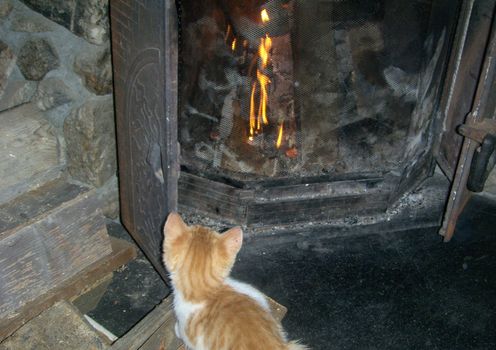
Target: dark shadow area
135, 290
399, 290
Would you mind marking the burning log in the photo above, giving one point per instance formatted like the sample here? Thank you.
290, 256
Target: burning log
281, 96
240, 100
271, 99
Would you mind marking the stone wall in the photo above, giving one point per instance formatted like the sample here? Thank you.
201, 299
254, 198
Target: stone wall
55, 54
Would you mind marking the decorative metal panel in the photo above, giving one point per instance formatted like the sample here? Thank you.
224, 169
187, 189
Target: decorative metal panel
144, 46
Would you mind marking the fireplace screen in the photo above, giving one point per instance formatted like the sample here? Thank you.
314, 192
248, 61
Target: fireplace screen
306, 88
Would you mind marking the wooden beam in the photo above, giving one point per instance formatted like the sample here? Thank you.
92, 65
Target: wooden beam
122, 252
58, 328
162, 315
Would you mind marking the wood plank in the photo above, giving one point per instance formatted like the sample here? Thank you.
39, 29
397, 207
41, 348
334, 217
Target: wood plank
89, 301
139, 334
30, 205
317, 201
315, 209
36, 257
122, 252
164, 338
60, 327
212, 197
278, 310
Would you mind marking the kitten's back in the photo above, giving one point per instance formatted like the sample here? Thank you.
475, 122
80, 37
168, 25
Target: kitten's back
231, 320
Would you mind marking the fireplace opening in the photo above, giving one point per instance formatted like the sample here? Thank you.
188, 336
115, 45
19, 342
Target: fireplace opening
292, 101
298, 118
285, 89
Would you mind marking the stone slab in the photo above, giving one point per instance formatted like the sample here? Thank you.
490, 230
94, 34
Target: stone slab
95, 69
91, 128
86, 18
5, 8
36, 58
30, 153
16, 93
7, 63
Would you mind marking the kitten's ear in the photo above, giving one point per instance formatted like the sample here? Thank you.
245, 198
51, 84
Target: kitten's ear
174, 227
233, 239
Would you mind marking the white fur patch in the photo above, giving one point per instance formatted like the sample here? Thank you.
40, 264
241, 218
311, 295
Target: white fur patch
252, 292
184, 310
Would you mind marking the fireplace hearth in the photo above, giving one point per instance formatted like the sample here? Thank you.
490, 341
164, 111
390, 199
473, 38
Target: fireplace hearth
285, 112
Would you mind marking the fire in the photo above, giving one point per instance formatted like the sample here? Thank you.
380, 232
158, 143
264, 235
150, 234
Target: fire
252, 112
228, 33
264, 50
263, 80
265, 16
233, 45
279, 136
257, 120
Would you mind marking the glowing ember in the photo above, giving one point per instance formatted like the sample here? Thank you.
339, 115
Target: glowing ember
279, 136
265, 16
292, 152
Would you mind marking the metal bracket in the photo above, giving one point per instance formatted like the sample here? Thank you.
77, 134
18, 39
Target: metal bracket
477, 131
484, 158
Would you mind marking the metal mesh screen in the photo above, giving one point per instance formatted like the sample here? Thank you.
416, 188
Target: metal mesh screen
304, 87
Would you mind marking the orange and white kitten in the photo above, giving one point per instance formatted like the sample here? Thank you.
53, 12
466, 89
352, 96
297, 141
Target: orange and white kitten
215, 312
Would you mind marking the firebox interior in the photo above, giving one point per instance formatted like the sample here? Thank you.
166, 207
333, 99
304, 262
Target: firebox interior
283, 89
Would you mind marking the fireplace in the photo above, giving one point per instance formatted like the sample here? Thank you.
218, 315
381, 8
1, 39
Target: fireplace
299, 89
311, 110
282, 112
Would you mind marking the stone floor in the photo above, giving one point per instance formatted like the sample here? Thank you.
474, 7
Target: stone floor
396, 290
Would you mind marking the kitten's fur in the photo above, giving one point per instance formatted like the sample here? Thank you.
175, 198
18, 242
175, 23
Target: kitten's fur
213, 311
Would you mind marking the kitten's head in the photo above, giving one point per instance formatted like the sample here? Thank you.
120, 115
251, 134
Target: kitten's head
196, 256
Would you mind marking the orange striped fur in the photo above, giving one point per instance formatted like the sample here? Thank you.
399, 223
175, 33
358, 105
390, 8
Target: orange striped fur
214, 312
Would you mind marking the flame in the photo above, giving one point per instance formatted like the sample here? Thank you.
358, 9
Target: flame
233, 45
263, 80
265, 16
252, 112
228, 33
264, 50
279, 136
